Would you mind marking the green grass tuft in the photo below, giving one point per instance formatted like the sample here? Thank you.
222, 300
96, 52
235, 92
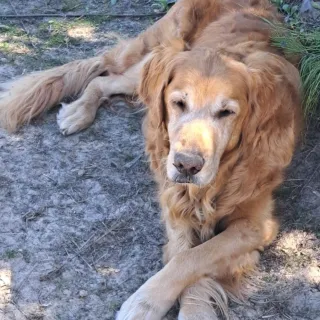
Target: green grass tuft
306, 46
310, 75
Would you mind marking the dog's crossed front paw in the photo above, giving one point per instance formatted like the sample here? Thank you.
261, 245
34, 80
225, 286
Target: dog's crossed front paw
141, 306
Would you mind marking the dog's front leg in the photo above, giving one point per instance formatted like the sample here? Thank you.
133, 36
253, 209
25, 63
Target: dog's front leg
214, 258
81, 113
140, 305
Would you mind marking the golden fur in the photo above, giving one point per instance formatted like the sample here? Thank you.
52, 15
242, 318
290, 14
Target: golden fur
215, 87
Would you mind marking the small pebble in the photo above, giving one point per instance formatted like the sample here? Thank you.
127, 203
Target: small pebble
81, 173
83, 293
113, 164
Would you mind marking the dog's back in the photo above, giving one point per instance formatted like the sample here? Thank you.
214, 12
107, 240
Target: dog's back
29, 96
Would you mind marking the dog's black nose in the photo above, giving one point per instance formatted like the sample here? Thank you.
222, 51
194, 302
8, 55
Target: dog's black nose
188, 164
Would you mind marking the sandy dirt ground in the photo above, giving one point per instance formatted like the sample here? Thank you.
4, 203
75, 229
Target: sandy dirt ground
80, 227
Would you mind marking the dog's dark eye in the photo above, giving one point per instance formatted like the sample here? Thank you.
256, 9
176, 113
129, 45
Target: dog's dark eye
224, 113
180, 104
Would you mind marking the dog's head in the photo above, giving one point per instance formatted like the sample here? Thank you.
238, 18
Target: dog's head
208, 101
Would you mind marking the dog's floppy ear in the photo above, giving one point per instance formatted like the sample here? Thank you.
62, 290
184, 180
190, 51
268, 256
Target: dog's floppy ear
273, 122
274, 106
156, 75
270, 127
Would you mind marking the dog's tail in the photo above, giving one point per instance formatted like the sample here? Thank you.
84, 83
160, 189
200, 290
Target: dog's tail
29, 96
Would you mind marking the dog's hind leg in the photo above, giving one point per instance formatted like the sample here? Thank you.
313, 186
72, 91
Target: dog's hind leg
25, 98
80, 114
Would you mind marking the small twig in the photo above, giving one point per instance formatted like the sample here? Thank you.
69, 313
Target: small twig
19, 309
17, 290
74, 7
134, 161
78, 253
78, 15
8, 232
16, 14
22, 24
105, 254
85, 261
310, 179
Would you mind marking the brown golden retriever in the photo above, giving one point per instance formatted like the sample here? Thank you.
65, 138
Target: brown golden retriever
223, 114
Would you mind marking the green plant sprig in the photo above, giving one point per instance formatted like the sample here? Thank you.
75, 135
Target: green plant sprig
306, 46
